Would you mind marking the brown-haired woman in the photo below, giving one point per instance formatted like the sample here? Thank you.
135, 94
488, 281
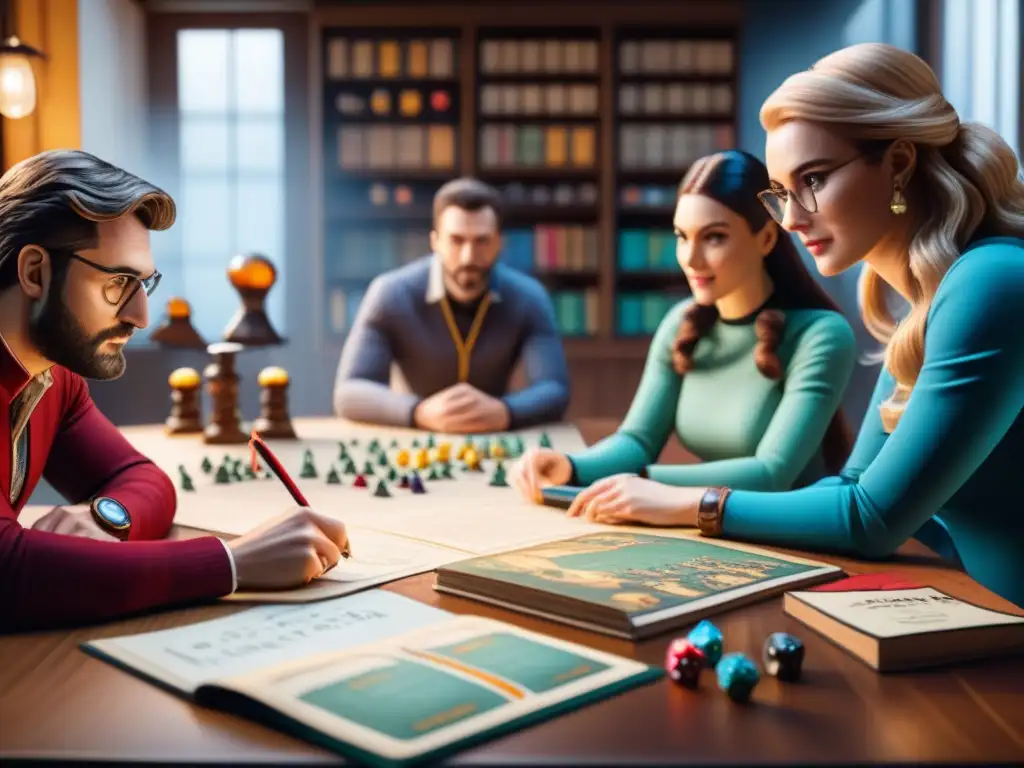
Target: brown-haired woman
749, 373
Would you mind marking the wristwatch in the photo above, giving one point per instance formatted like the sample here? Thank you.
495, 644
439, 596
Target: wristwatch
711, 511
111, 516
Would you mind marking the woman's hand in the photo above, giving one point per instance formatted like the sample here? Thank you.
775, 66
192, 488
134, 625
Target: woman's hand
633, 500
537, 468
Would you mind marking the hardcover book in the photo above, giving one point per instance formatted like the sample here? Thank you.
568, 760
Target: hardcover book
629, 585
892, 623
377, 677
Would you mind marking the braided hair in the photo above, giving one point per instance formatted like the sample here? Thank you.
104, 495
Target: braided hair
733, 178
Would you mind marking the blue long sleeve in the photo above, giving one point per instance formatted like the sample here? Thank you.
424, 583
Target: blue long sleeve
954, 453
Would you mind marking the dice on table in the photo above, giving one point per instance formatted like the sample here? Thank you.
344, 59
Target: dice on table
684, 662
737, 676
708, 638
783, 656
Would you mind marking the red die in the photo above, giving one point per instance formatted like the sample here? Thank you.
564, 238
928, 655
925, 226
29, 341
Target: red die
684, 662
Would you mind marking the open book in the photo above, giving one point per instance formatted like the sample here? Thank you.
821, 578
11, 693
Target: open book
892, 623
380, 678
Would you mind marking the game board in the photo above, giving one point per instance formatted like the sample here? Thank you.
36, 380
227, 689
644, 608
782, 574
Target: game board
394, 532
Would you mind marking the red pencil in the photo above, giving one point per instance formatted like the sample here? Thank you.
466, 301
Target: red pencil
256, 445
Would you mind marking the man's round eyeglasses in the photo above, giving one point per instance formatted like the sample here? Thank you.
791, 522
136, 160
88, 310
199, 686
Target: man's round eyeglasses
122, 286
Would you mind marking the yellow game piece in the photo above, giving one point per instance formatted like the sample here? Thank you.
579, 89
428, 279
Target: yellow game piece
461, 453
422, 459
497, 450
184, 378
471, 458
444, 451
272, 376
402, 459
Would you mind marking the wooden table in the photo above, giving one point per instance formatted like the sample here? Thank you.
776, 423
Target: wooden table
58, 703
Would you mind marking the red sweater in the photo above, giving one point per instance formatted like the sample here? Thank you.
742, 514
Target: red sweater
50, 580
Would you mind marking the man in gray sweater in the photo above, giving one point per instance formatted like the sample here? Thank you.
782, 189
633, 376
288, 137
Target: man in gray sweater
456, 323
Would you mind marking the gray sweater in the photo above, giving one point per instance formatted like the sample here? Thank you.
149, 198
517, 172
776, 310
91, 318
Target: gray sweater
400, 321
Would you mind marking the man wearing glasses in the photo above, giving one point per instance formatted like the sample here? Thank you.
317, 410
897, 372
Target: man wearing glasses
76, 272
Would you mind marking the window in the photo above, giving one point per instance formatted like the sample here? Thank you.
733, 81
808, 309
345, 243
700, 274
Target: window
981, 63
231, 179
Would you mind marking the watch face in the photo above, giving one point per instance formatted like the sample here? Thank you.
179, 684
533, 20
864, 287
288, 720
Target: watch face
112, 512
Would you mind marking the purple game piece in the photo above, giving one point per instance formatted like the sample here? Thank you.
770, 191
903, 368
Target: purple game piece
416, 485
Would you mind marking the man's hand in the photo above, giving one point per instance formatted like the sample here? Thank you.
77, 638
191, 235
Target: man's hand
73, 520
462, 408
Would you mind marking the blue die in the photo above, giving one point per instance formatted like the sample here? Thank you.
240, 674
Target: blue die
708, 638
737, 676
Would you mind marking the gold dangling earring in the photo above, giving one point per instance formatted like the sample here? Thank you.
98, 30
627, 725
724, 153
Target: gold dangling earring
898, 206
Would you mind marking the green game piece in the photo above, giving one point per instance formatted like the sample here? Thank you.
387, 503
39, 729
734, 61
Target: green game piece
382, 490
446, 472
394, 443
186, 481
415, 443
498, 480
350, 467
392, 474
249, 473
545, 441
382, 460
342, 452
222, 476
308, 469
432, 474
333, 478
368, 469
236, 471
430, 440
207, 465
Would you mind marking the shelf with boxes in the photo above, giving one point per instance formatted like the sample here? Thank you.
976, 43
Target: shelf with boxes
538, 127
675, 95
391, 106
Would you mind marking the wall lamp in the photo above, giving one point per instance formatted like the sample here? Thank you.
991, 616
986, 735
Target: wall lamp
17, 79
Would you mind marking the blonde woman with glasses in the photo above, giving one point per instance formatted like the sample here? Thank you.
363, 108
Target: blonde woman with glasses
872, 168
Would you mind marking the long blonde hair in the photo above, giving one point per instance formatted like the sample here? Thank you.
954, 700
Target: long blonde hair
965, 184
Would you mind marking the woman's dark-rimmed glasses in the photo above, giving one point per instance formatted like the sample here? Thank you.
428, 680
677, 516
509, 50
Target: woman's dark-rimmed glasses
775, 199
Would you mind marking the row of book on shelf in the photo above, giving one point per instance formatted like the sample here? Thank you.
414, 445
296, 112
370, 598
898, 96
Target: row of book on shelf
549, 146
657, 146
418, 58
548, 99
535, 56
391, 147
662, 100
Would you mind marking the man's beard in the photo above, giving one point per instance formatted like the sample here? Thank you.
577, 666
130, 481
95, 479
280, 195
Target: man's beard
59, 337
469, 279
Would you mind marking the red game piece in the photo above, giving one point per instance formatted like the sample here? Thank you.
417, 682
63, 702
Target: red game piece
360, 482
404, 482
684, 662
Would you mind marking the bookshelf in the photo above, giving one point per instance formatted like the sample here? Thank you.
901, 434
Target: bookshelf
586, 128
391, 125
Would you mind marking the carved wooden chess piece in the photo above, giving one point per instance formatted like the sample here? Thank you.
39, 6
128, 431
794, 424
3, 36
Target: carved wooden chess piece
177, 330
274, 421
222, 386
184, 418
252, 276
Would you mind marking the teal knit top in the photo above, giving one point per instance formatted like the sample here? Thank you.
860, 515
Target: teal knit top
750, 431
949, 472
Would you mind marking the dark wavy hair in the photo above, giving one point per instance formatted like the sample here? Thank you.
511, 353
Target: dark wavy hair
733, 178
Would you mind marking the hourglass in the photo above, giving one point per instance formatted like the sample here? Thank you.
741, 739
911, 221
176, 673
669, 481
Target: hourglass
253, 276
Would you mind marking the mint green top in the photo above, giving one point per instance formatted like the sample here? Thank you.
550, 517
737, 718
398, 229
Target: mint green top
950, 471
750, 431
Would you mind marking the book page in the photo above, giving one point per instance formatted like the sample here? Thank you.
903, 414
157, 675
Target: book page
892, 613
480, 674
186, 657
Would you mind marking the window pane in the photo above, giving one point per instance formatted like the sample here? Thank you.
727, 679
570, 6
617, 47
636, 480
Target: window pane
258, 62
206, 214
214, 302
259, 144
259, 218
203, 70
204, 144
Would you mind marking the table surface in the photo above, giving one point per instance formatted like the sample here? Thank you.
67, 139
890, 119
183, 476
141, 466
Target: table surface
57, 702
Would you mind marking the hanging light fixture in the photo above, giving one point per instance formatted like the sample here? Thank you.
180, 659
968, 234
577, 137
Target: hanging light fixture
17, 79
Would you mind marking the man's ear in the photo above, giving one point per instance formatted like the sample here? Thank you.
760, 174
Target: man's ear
34, 271
767, 238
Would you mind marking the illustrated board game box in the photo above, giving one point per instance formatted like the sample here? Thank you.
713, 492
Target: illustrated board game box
629, 585
377, 677
892, 624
